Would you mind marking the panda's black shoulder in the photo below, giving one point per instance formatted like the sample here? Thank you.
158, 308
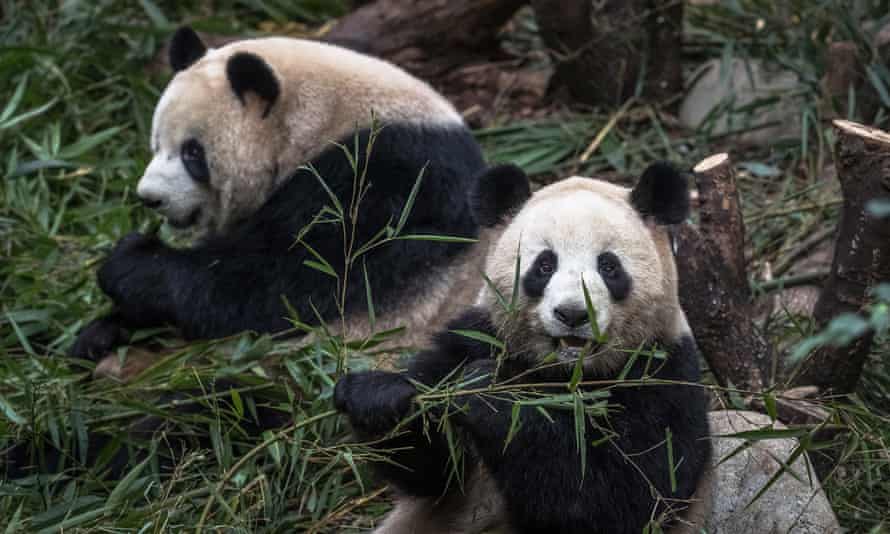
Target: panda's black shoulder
389, 160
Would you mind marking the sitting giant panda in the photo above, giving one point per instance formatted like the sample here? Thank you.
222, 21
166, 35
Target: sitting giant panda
530, 477
243, 142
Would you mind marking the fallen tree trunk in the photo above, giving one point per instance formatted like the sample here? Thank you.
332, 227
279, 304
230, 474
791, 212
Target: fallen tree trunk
861, 256
604, 50
427, 37
714, 289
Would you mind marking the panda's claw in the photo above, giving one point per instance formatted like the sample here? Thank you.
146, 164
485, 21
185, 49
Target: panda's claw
98, 338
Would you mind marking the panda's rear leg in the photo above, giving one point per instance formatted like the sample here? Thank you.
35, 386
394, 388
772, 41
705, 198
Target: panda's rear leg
426, 516
478, 508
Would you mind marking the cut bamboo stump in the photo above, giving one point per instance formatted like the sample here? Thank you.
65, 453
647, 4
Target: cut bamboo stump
861, 256
714, 288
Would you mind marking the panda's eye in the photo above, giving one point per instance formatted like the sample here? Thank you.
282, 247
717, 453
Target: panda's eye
538, 276
192, 154
607, 264
545, 267
617, 280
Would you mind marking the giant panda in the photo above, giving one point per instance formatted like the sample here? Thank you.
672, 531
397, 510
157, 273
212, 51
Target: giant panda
528, 477
250, 142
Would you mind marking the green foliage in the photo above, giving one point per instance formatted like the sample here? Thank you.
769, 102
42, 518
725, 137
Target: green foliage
80, 80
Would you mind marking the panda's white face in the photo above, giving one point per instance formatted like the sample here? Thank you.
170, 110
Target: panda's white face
583, 230
176, 182
208, 168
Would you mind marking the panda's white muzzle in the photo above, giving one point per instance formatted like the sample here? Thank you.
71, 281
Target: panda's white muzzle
563, 312
167, 187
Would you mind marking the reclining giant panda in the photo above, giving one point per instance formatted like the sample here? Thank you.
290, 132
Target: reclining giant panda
244, 149
244, 154
579, 248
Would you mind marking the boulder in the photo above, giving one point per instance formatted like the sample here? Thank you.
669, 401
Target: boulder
756, 94
791, 505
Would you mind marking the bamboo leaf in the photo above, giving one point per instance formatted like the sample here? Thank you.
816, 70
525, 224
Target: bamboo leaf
672, 466
577, 372
27, 115
580, 431
769, 401
438, 238
13, 102
409, 204
10, 412
372, 317
514, 424
591, 314
338, 207
480, 336
126, 485
85, 144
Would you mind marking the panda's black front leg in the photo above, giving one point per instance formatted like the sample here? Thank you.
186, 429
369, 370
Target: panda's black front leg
135, 277
376, 402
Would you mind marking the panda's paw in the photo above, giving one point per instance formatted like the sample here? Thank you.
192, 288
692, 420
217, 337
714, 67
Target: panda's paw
98, 338
374, 401
481, 411
133, 269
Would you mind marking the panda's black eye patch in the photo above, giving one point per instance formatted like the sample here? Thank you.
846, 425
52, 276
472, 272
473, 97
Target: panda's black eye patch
537, 277
616, 278
192, 154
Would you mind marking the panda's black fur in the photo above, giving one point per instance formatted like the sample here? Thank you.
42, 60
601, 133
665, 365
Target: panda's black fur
539, 473
239, 281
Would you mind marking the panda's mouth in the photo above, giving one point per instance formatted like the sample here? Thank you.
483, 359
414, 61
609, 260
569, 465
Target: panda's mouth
190, 220
571, 342
573, 346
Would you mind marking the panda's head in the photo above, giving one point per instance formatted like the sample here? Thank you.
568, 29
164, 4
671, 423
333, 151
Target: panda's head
613, 239
214, 136
235, 122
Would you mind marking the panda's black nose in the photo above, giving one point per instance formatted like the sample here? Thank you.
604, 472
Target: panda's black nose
570, 316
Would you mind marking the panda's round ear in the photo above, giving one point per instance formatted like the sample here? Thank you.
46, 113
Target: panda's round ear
248, 72
498, 192
662, 193
186, 47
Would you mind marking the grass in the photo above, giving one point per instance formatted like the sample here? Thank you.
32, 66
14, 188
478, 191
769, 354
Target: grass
80, 84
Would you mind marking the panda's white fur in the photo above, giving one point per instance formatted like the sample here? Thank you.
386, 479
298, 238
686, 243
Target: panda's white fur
326, 93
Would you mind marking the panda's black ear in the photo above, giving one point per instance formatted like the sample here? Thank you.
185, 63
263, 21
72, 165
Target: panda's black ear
248, 72
499, 192
185, 48
662, 193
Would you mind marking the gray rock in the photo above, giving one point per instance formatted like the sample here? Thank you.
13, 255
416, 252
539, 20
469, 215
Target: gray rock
739, 83
788, 506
